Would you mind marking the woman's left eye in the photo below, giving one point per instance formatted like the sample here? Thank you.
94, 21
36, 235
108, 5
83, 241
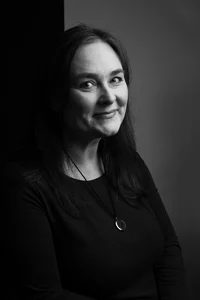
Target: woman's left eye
117, 80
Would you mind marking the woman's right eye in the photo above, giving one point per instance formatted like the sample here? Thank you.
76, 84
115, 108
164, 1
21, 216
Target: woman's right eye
87, 85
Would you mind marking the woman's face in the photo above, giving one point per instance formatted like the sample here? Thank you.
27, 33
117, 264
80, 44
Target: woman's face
98, 92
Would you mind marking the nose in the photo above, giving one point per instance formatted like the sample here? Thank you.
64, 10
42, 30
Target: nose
107, 95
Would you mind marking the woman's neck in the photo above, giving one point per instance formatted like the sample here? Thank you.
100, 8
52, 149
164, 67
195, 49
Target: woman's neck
85, 157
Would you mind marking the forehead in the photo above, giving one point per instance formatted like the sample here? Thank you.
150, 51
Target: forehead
97, 57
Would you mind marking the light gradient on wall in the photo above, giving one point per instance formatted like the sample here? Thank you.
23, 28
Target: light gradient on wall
162, 39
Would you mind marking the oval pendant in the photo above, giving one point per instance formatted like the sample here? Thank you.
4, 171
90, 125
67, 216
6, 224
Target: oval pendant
120, 224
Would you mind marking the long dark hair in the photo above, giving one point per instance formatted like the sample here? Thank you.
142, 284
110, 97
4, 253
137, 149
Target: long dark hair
118, 152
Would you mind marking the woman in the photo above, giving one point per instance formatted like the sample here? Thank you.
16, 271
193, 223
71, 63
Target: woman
85, 218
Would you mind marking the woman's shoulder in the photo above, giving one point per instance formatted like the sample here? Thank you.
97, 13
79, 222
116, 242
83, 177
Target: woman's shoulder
143, 170
19, 171
140, 161
22, 177
23, 165
138, 157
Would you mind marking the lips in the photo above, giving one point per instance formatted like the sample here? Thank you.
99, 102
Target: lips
106, 112
106, 115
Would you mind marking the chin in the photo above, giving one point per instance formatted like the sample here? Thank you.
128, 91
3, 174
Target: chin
108, 127
110, 131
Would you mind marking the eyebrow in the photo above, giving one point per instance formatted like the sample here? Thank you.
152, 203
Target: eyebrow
96, 75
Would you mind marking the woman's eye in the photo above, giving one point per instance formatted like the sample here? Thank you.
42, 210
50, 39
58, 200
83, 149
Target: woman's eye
117, 80
87, 85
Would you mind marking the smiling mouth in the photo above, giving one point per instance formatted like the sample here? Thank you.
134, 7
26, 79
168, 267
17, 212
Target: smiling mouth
107, 114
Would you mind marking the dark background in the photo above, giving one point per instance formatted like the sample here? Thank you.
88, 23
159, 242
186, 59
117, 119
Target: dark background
163, 42
32, 29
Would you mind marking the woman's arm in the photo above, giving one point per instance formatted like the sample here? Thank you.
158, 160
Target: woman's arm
30, 256
169, 270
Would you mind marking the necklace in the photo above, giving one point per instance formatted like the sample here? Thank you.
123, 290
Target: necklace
120, 224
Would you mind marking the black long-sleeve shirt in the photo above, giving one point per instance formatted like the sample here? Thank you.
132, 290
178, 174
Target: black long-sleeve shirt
54, 256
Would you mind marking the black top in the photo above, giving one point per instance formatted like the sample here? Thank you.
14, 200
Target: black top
52, 255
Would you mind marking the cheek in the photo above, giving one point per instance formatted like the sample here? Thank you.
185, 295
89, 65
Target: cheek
123, 96
123, 101
79, 103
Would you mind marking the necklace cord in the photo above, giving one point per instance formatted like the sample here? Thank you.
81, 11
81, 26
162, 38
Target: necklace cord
94, 192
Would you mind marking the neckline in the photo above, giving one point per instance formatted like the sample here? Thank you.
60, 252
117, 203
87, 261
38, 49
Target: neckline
83, 181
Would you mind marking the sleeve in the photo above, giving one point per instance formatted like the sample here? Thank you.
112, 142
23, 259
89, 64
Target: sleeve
30, 261
170, 269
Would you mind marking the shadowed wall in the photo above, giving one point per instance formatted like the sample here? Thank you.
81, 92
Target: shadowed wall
162, 39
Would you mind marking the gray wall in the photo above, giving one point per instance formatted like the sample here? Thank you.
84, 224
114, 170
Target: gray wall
163, 44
